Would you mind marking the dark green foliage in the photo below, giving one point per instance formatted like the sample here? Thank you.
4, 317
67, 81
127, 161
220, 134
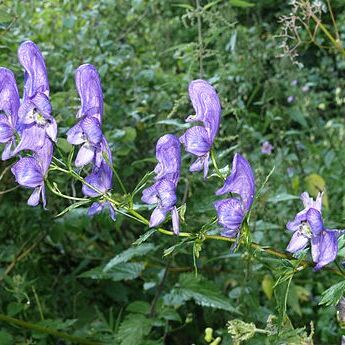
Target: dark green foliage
85, 277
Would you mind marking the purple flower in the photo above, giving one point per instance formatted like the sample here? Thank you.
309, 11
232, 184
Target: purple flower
9, 104
232, 211
308, 227
30, 172
87, 132
163, 191
198, 140
100, 180
35, 120
90, 91
266, 148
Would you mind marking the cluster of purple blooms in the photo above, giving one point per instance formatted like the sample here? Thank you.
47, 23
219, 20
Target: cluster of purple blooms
87, 132
29, 131
28, 126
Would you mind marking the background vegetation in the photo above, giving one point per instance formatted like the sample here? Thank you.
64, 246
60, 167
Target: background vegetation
147, 51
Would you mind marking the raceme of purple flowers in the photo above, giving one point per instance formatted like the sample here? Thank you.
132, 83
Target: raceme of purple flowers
163, 191
30, 121
87, 132
29, 131
232, 211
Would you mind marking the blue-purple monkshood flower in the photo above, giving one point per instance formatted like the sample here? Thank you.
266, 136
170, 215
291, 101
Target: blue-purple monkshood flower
101, 180
30, 172
9, 105
266, 148
231, 212
35, 121
163, 192
308, 227
87, 132
198, 140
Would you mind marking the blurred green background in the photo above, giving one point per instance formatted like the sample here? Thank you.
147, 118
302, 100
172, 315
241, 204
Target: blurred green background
146, 53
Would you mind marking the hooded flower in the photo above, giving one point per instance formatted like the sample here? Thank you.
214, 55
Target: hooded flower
30, 172
198, 140
232, 211
35, 120
87, 132
163, 191
9, 105
308, 227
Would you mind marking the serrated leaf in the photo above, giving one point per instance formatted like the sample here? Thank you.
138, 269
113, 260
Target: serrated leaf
125, 271
201, 290
144, 237
133, 329
332, 295
128, 254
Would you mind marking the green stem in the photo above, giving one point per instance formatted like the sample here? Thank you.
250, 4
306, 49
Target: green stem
45, 330
336, 43
138, 217
215, 165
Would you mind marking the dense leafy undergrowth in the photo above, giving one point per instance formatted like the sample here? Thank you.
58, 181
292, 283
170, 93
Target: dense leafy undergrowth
76, 279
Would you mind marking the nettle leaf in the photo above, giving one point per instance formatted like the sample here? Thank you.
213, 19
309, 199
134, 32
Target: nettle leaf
125, 271
201, 290
133, 329
128, 254
332, 295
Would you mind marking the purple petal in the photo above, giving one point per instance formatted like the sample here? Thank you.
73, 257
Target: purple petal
90, 91
32, 138
9, 96
230, 213
75, 135
241, 181
158, 216
7, 153
308, 202
150, 195
35, 197
206, 105
51, 129
324, 248
95, 208
42, 104
6, 130
100, 180
92, 129
196, 141
168, 154
36, 79
166, 192
44, 155
315, 222
85, 155
27, 172
298, 242
26, 112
